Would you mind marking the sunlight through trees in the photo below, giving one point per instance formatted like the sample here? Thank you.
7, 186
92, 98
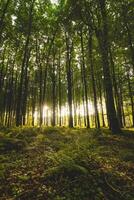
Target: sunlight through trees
67, 63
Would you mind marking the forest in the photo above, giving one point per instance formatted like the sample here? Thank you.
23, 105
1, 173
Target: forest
66, 99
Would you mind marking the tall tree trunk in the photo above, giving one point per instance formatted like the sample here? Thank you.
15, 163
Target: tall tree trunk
45, 73
84, 79
69, 78
2, 17
102, 36
97, 120
131, 46
23, 69
10, 96
122, 103
59, 70
53, 76
2, 68
117, 96
101, 102
39, 65
129, 35
25, 92
131, 96
33, 94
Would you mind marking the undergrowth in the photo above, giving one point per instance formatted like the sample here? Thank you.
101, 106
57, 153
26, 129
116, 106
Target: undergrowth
66, 164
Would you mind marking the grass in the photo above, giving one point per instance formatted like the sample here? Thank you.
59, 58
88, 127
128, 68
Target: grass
66, 164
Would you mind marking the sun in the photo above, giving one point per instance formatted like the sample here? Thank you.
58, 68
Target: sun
54, 2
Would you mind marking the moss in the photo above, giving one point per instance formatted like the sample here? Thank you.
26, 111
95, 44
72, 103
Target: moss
65, 164
9, 144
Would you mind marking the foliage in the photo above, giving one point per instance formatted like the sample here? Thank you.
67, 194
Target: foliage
53, 55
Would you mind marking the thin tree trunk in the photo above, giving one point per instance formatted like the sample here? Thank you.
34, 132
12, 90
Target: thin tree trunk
101, 102
2, 17
59, 70
131, 96
129, 35
69, 79
93, 82
53, 76
84, 80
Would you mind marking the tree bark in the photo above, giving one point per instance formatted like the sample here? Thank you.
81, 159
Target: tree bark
131, 96
102, 36
23, 69
117, 96
97, 120
69, 78
84, 79
2, 19
59, 70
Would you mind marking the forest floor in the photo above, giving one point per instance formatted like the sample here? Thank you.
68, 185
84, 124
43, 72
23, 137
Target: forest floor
66, 164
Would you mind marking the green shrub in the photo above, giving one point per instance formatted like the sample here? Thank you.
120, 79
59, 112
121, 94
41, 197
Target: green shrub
9, 144
127, 155
25, 134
